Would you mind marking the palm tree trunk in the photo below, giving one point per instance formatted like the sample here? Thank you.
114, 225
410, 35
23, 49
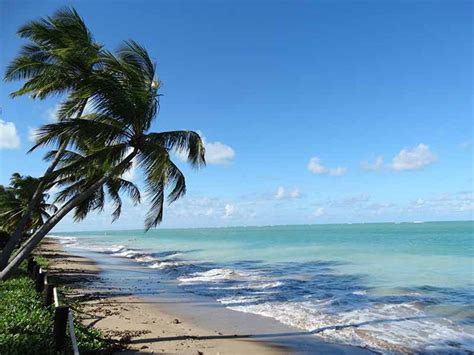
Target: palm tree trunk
20, 228
34, 240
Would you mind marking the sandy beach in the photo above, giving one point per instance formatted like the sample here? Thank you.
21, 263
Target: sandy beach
169, 325
236, 177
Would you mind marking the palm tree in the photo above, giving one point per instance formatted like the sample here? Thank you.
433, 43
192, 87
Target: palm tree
74, 181
61, 57
125, 98
14, 200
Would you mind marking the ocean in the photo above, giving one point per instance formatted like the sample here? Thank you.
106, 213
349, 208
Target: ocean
383, 286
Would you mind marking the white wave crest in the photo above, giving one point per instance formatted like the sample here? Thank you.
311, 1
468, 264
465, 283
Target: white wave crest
166, 265
385, 328
214, 275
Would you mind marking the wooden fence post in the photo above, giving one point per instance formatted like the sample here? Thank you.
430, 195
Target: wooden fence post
35, 271
30, 272
60, 324
48, 295
30, 265
39, 282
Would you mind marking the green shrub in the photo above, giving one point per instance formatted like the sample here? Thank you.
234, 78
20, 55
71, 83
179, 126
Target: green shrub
25, 324
42, 261
90, 340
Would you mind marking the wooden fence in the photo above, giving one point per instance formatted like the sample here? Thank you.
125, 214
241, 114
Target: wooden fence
63, 316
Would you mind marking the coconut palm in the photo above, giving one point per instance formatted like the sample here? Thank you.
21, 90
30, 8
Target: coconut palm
74, 181
14, 200
125, 101
60, 58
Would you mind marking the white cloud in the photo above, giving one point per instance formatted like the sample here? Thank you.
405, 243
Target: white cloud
349, 202
203, 210
452, 205
295, 193
379, 208
459, 202
338, 171
282, 194
229, 210
217, 153
209, 212
194, 206
375, 166
318, 212
413, 159
420, 202
316, 167
8, 135
407, 159
350, 206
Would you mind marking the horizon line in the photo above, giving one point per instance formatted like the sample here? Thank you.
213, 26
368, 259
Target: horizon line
264, 226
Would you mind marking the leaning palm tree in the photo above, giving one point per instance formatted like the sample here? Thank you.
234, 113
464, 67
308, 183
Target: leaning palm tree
72, 182
125, 101
61, 57
14, 200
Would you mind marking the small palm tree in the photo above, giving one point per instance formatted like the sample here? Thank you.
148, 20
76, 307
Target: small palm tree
14, 200
60, 58
125, 99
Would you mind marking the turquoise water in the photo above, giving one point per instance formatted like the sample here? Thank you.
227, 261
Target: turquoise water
391, 287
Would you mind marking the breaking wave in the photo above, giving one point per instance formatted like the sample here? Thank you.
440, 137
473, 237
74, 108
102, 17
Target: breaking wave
314, 298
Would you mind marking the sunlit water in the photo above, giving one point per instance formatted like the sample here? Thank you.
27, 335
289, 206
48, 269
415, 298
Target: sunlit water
389, 287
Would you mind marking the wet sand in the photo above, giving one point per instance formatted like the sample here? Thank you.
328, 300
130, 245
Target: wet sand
166, 323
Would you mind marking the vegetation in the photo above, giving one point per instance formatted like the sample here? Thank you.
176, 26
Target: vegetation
93, 150
14, 200
60, 57
26, 326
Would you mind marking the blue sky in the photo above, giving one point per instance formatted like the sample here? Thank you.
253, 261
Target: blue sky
313, 112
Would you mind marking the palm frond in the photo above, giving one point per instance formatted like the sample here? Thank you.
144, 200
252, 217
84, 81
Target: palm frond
94, 202
133, 53
92, 131
183, 141
176, 181
14, 201
60, 55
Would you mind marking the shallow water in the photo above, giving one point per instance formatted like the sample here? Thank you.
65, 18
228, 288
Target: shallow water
384, 286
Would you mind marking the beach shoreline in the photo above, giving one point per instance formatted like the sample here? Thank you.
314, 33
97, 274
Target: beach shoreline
171, 323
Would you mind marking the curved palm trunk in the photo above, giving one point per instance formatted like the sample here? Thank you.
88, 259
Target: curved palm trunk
20, 228
34, 240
